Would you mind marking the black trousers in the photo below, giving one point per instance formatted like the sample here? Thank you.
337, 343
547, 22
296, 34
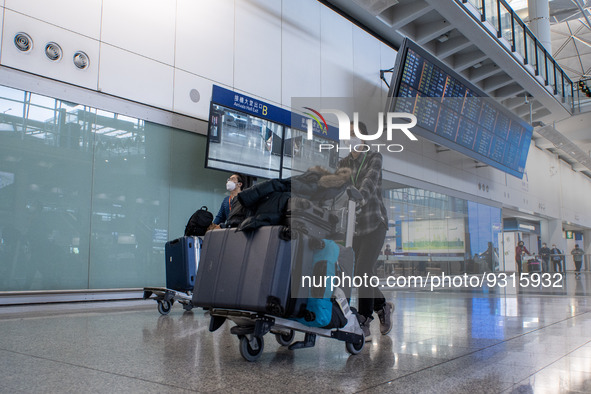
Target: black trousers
367, 249
557, 265
578, 265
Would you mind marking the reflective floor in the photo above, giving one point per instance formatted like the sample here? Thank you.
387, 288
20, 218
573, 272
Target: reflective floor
489, 341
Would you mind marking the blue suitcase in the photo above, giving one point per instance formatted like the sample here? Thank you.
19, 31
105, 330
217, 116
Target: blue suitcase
182, 258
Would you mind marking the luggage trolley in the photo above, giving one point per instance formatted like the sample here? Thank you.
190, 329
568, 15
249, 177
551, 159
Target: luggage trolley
166, 298
251, 326
182, 260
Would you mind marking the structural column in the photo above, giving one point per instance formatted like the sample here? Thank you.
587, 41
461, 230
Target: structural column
587, 248
539, 21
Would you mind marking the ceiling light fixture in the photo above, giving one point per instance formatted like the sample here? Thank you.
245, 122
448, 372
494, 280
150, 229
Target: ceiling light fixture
23, 42
53, 51
81, 60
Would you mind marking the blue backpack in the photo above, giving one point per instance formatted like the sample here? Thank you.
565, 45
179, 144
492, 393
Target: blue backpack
320, 308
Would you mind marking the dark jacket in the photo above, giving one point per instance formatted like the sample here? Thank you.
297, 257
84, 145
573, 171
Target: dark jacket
545, 253
519, 251
267, 202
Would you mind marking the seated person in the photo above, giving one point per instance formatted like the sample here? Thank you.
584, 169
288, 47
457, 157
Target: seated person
234, 186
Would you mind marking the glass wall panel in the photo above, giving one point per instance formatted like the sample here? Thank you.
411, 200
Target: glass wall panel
477, 4
506, 29
434, 233
130, 201
519, 40
45, 189
492, 12
551, 74
88, 198
531, 51
542, 63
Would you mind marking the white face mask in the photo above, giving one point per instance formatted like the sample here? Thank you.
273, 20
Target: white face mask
230, 186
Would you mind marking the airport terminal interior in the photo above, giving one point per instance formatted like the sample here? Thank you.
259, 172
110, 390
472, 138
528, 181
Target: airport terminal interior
118, 120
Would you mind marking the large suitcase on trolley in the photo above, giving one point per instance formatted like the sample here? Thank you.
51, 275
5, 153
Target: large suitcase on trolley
182, 258
246, 270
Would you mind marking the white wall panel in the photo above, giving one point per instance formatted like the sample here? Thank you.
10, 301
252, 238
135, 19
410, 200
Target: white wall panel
300, 53
205, 39
83, 17
145, 27
35, 60
387, 60
336, 55
134, 77
184, 103
1, 30
257, 55
366, 64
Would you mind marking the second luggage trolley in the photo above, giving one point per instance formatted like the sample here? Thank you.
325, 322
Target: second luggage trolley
247, 278
182, 259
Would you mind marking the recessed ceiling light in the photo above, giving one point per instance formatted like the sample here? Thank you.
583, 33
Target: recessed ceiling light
81, 60
53, 51
23, 42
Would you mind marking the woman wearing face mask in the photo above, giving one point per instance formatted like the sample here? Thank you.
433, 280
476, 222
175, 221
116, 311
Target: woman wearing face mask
234, 186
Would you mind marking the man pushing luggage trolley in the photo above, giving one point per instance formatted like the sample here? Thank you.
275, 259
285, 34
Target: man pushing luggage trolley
370, 230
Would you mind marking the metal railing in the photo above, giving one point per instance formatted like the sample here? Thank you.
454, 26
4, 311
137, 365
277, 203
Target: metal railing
511, 31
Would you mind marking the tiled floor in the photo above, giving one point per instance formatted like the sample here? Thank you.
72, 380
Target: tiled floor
490, 341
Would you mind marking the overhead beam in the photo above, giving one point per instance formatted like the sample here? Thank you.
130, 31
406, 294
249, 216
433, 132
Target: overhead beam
462, 61
496, 82
478, 74
513, 102
430, 31
508, 91
451, 46
400, 15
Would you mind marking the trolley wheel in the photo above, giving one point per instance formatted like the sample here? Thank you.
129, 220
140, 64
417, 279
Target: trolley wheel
164, 307
247, 351
285, 339
188, 306
355, 348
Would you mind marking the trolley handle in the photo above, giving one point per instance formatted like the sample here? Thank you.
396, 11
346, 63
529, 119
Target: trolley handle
354, 194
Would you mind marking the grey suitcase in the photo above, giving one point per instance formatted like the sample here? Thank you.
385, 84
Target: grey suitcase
245, 270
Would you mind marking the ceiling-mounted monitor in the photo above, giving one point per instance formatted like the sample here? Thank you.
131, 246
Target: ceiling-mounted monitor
245, 134
454, 113
253, 137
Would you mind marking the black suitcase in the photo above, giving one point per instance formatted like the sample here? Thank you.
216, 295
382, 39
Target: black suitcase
182, 258
534, 266
246, 270
310, 219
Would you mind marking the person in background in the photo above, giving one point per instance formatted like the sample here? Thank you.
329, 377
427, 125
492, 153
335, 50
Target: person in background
520, 250
578, 259
545, 255
388, 251
370, 231
556, 255
234, 185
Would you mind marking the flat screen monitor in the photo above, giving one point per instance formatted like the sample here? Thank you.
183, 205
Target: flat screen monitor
240, 142
300, 153
454, 113
255, 138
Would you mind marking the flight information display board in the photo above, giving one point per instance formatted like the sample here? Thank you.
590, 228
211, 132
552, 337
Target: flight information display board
454, 113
